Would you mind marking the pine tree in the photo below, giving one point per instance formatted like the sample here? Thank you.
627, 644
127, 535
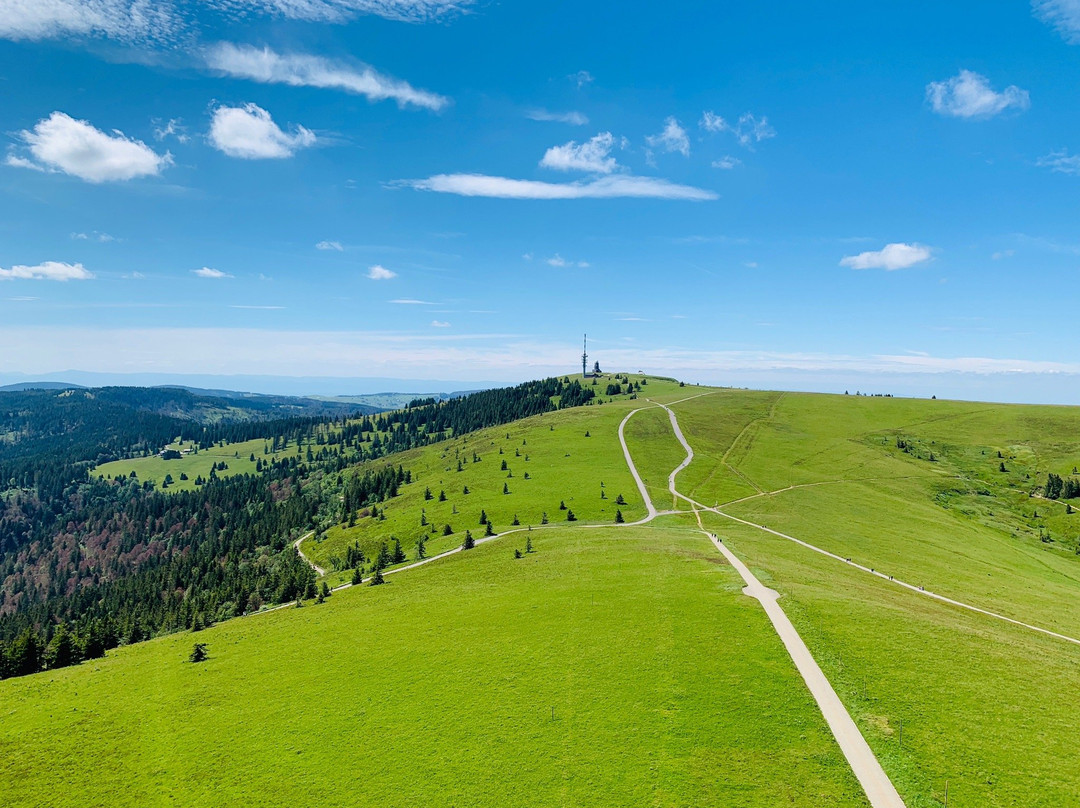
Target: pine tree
447, 530
483, 517
399, 554
515, 523
543, 518
506, 488
357, 578
517, 554
377, 578
421, 548
442, 496
198, 653
488, 530
562, 505
570, 516
619, 518
528, 544
469, 542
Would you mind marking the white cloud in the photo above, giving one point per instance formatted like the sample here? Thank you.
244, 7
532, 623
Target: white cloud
381, 273
409, 301
581, 78
61, 143
610, 187
592, 156
117, 19
527, 256
439, 324
672, 139
748, 130
172, 128
103, 238
892, 256
301, 70
1060, 161
1064, 15
969, 95
330, 245
1003, 254
558, 261
574, 118
166, 22
727, 162
47, 271
338, 11
208, 272
248, 132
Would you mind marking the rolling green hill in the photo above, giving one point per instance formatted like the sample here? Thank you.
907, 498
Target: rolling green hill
622, 666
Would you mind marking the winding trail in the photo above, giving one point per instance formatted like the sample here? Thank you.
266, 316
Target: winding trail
877, 785
318, 570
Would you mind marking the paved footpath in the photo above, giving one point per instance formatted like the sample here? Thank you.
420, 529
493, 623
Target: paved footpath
877, 785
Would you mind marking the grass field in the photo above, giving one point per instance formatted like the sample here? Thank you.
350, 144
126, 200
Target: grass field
237, 456
608, 668
565, 466
668, 685
985, 705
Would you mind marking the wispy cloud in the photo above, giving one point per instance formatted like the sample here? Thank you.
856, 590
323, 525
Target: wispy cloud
672, 138
47, 271
101, 238
890, 257
303, 70
209, 272
408, 301
340, 11
381, 273
249, 133
573, 117
61, 143
330, 245
259, 308
558, 261
609, 187
1064, 15
161, 21
969, 95
748, 130
593, 156
581, 78
1061, 162
174, 127
727, 162
126, 20
439, 324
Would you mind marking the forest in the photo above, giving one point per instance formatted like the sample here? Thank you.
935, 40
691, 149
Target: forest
87, 564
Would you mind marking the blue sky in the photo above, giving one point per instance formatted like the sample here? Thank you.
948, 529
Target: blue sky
871, 196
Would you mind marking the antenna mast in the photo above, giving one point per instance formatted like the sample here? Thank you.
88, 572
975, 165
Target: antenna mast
585, 357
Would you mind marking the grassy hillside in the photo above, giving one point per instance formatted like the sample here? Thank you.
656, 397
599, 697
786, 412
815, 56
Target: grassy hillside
984, 705
668, 685
237, 456
571, 457
607, 668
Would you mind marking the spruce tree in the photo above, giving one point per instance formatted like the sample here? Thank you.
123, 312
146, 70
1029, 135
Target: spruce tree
469, 542
619, 518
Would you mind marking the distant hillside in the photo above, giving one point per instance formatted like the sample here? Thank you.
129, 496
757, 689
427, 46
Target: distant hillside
23, 386
391, 401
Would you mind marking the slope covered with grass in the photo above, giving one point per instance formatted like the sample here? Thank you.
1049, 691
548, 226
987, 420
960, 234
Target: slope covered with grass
608, 668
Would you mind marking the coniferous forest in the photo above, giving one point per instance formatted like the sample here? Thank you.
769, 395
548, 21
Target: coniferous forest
87, 564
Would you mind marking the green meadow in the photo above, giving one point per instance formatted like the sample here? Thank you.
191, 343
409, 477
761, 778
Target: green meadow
623, 666
153, 469
607, 668
568, 457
